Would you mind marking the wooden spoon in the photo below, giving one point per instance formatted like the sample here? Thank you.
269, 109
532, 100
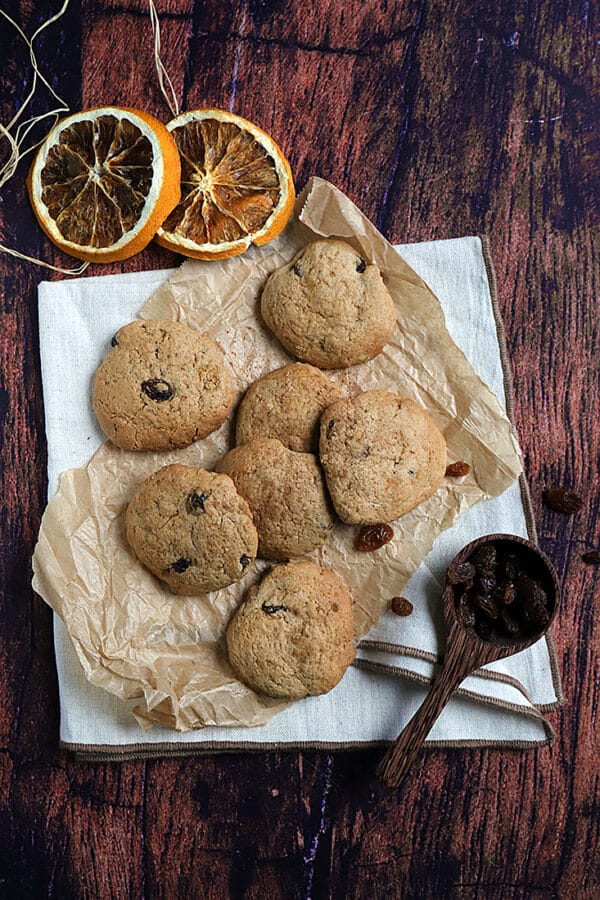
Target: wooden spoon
466, 651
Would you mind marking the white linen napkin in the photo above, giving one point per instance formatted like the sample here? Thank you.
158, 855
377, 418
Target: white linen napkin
376, 698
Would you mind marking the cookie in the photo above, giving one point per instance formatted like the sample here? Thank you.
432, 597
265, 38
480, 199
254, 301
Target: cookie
292, 635
329, 306
192, 529
286, 493
162, 386
286, 404
382, 456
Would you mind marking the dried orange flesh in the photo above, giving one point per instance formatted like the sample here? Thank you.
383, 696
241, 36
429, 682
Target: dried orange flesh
100, 187
96, 180
236, 186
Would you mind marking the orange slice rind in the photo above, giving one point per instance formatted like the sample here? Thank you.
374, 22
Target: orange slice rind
103, 181
237, 187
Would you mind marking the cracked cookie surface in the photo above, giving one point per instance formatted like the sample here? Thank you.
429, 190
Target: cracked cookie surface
382, 456
286, 493
192, 529
162, 386
293, 634
329, 306
286, 404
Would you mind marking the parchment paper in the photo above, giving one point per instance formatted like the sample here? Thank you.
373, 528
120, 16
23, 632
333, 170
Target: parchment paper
137, 640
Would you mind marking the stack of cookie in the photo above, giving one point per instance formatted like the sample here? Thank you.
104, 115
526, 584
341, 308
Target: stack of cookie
305, 455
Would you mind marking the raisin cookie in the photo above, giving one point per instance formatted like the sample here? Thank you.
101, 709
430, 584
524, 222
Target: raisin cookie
329, 307
162, 386
286, 404
192, 529
292, 636
286, 493
382, 456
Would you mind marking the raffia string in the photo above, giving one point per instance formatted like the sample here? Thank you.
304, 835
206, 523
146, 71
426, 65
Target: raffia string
163, 76
15, 132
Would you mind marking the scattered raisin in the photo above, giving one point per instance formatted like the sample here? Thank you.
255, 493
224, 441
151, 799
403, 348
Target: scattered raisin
113, 341
330, 425
244, 560
361, 265
372, 537
157, 389
457, 469
461, 573
592, 557
562, 501
485, 557
298, 270
196, 501
401, 606
271, 609
179, 566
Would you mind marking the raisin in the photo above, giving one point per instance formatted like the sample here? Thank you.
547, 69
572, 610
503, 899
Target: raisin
483, 628
487, 604
461, 573
562, 501
510, 624
113, 341
361, 265
485, 581
298, 270
157, 389
179, 566
271, 608
465, 612
372, 537
196, 501
485, 557
457, 469
401, 606
592, 557
530, 592
330, 426
244, 560
510, 567
507, 593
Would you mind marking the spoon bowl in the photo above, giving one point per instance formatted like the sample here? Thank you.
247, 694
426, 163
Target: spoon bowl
473, 639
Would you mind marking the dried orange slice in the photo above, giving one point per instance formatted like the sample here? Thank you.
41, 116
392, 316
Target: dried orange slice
103, 181
236, 186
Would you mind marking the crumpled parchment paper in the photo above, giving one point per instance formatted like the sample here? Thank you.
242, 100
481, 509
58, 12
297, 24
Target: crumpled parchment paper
137, 640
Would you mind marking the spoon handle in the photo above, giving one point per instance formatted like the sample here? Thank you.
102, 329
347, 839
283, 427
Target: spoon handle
461, 659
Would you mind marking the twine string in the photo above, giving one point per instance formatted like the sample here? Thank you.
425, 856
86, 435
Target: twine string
163, 76
16, 132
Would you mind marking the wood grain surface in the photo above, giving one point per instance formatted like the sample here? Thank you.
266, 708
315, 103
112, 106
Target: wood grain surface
439, 120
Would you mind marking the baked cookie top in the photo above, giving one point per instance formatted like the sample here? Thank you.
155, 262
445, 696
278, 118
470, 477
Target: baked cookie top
286, 404
292, 635
286, 493
382, 456
329, 306
162, 386
192, 529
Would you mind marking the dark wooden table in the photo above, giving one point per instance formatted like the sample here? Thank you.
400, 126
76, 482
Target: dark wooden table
439, 119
